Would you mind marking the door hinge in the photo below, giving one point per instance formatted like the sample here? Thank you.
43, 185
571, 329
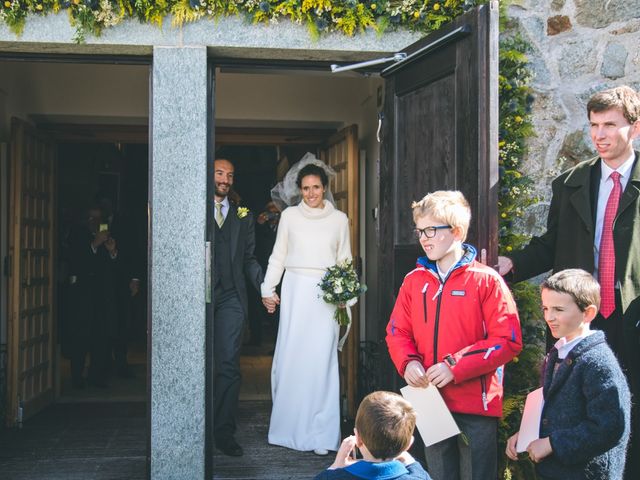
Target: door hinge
6, 266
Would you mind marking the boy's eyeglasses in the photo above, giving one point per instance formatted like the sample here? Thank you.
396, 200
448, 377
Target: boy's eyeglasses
429, 232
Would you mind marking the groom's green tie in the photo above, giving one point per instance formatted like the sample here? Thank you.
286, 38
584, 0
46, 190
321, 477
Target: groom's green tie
219, 217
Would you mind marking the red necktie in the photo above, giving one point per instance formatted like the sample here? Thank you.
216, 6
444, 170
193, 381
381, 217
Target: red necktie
607, 254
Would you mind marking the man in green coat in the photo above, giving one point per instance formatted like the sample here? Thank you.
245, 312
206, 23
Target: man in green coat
594, 224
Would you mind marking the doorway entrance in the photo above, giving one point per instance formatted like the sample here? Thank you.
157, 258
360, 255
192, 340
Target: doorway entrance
258, 169
110, 179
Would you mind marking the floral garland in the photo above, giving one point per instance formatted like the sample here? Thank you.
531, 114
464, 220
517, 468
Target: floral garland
349, 17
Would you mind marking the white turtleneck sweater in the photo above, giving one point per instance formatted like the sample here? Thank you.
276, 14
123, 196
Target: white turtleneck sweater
309, 240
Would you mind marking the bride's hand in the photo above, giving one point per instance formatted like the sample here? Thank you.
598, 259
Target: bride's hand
270, 303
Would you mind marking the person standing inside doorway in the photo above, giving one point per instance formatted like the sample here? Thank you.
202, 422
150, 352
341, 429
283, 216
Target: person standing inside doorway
593, 224
93, 260
234, 264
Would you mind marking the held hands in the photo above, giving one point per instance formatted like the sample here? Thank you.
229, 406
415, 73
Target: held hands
270, 303
538, 450
440, 374
415, 375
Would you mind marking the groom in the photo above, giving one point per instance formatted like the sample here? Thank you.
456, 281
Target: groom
234, 260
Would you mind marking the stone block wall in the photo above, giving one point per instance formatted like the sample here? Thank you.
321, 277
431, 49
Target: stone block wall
578, 48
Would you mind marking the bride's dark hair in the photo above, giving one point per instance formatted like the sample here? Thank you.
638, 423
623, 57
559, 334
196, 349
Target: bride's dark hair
312, 169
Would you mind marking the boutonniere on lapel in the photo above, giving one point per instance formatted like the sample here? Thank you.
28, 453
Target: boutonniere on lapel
242, 212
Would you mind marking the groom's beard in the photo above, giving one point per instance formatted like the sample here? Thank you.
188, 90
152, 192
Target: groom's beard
222, 189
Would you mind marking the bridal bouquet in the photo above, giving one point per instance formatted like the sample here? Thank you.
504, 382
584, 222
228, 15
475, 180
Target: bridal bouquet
341, 287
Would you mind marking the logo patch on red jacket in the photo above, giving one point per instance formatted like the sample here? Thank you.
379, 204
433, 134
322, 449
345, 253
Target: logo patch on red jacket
458, 293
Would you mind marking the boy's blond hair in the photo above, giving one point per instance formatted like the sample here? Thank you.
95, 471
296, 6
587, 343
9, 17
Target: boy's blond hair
446, 206
576, 282
385, 423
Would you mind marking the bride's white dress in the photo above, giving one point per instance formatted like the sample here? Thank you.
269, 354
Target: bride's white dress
305, 382
304, 376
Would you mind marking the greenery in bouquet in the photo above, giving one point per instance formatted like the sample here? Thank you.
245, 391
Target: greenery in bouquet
341, 287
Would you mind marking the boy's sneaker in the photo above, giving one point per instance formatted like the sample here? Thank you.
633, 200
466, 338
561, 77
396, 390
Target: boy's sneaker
321, 451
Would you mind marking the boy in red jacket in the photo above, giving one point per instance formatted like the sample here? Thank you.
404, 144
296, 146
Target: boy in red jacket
455, 325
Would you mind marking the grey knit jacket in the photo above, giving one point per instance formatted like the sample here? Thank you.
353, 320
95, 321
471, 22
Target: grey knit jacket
586, 413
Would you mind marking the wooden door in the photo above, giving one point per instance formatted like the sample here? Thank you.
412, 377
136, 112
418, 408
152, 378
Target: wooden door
31, 284
439, 132
341, 153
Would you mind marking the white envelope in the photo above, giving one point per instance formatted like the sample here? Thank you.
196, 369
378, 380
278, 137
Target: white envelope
530, 423
433, 419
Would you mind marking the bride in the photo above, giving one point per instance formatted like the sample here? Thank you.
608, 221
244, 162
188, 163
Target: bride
312, 236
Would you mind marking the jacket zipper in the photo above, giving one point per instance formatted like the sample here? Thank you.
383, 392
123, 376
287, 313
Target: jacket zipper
483, 383
483, 380
437, 320
486, 351
424, 301
435, 329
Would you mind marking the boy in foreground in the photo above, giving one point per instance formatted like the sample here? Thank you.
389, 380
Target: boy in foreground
455, 325
584, 427
384, 432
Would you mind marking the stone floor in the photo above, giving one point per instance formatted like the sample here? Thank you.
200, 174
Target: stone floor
96, 434
107, 441
83, 441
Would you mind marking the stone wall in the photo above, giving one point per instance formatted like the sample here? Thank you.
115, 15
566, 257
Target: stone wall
578, 47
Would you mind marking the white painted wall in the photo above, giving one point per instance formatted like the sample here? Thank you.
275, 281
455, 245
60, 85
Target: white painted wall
72, 90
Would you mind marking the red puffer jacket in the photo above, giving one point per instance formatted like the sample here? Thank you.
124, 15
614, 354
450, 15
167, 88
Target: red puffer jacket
471, 316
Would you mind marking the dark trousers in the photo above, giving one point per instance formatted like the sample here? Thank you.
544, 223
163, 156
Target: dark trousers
623, 338
472, 455
228, 323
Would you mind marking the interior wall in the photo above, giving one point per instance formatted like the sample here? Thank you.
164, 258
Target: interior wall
67, 91
291, 96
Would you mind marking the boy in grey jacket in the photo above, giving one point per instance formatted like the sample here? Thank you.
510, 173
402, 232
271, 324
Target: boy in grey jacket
584, 427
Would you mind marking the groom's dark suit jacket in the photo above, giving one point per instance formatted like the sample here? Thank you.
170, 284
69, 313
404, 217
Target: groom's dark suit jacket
243, 261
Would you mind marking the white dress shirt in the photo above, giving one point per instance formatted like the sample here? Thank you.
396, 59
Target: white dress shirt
565, 347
